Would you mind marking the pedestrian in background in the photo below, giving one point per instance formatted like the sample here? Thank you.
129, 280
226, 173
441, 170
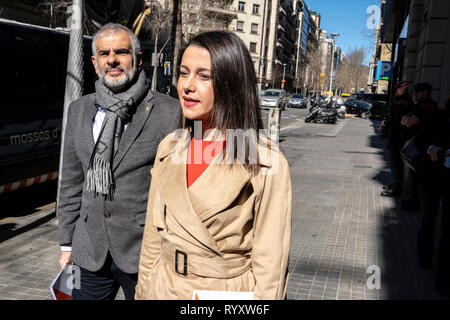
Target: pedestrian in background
434, 187
396, 137
110, 145
424, 124
214, 225
414, 123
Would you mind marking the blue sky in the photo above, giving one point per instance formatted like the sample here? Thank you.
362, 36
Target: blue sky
349, 19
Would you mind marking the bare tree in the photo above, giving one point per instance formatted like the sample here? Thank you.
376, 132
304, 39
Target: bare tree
157, 24
313, 69
177, 36
191, 17
344, 80
356, 59
60, 11
202, 15
352, 73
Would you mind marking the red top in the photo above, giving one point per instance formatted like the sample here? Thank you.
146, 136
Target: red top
200, 155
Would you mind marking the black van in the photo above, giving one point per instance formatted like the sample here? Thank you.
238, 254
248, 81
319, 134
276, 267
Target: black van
35, 65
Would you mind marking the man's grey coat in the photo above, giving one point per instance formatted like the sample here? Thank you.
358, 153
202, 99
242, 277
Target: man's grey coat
90, 223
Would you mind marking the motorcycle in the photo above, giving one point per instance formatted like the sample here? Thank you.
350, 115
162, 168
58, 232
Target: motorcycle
341, 112
322, 112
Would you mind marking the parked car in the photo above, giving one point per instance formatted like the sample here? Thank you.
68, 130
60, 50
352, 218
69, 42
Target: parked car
273, 98
358, 107
356, 96
377, 110
378, 102
297, 100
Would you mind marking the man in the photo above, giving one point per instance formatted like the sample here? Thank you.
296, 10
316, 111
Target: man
110, 146
439, 151
414, 123
423, 122
396, 138
422, 110
437, 145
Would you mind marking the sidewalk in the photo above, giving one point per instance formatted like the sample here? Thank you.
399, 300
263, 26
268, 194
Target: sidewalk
340, 225
342, 229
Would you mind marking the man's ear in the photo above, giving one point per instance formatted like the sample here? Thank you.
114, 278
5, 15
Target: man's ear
140, 58
94, 62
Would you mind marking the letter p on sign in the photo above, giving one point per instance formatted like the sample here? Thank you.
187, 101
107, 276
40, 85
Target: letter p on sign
386, 69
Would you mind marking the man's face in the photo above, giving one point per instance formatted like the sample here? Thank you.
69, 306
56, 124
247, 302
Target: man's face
401, 90
114, 62
421, 95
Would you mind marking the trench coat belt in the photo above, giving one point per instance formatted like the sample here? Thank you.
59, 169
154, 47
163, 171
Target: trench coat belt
205, 266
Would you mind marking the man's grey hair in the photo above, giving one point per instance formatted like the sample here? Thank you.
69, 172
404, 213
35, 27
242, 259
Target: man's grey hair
111, 28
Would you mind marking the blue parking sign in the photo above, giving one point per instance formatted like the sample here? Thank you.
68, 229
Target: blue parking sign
384, 70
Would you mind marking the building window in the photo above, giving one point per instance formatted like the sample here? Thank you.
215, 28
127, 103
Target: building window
240, 26
241, 6
256, 9
253, 47
254, 28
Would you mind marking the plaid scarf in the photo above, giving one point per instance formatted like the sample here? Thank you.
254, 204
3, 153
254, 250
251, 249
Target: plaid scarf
119, 110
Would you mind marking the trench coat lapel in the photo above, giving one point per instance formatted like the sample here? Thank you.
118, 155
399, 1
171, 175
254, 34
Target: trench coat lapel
134, 128
170, 179
217, 188
222, 184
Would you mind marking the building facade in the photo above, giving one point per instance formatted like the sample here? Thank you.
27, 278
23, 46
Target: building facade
250, 26
424, 54
330, 56
277, 33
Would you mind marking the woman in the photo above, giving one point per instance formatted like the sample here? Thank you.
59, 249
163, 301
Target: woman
221, 222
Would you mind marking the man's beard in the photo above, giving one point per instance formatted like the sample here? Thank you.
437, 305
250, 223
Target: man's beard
114, 85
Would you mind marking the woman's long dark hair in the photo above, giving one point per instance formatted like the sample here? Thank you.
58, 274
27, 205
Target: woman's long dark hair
236, 100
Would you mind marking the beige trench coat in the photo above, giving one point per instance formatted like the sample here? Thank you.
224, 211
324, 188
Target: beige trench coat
229, 231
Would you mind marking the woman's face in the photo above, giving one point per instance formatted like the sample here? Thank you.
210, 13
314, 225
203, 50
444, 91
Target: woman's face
195, 84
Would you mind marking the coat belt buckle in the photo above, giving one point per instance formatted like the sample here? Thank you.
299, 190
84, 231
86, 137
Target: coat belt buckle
177, 253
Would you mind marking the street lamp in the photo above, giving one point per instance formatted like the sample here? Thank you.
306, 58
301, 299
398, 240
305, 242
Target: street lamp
332, 60
284, 72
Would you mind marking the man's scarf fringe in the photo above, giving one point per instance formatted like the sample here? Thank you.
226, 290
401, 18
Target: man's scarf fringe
100, 178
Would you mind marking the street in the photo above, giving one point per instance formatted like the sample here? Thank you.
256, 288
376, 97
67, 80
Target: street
288, 117
347, 242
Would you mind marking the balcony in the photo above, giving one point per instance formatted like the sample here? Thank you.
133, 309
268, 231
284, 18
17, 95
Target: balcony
289, 41
222, 10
